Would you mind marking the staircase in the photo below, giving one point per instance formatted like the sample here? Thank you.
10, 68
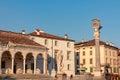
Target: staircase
25, 77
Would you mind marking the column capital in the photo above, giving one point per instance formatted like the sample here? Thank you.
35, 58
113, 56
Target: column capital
24, 57
12, 57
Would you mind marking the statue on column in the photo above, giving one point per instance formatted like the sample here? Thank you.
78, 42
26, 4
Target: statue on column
60, 62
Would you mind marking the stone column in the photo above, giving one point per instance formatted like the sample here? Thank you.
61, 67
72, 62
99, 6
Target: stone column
12, 64
97, 51
24, 65
45, 63
34, 65
97, 70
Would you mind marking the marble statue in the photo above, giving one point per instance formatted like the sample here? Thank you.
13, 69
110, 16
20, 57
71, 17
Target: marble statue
60, 62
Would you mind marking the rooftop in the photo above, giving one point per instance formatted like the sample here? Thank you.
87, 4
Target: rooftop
40, 33
92, 43
17, 38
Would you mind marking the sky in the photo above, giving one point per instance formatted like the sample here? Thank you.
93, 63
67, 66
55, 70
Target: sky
59, 17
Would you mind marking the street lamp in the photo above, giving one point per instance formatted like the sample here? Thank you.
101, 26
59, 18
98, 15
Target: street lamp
96, 27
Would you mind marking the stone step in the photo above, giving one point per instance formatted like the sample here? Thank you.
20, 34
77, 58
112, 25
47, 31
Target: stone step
24, 76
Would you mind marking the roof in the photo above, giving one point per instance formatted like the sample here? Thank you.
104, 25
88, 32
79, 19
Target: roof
17, 38
46, 35
92, 43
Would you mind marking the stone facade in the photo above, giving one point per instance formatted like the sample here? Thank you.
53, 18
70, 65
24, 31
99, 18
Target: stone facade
19, 55
108, 56
55, 44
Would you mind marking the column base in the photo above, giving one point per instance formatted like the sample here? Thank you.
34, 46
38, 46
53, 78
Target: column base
61, 76
97, 72
53, 73
98, 78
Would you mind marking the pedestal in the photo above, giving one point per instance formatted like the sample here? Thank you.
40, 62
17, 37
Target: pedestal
53, 73
61, 76
98, 78
97, 72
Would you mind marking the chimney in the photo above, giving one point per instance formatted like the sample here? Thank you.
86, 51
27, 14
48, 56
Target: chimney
111, 44
83, 40
37, 31
41, 31
23, 32
66, 36
107, 42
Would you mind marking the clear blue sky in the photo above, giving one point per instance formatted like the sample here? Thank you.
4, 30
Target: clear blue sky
59, 17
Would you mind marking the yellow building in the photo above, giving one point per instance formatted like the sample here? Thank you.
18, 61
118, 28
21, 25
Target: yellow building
108, 56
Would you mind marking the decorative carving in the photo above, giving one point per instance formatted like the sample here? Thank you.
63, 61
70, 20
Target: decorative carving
8, 71
60, 62
19, 71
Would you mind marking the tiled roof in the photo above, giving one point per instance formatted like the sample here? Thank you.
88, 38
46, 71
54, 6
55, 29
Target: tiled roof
16, 38
46, 35
92, 43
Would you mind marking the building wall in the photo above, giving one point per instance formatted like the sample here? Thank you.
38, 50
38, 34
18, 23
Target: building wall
55, 49
110, 55
19, 53
118, 64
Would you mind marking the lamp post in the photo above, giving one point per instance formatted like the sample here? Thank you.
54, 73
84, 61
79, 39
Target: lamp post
96, 27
